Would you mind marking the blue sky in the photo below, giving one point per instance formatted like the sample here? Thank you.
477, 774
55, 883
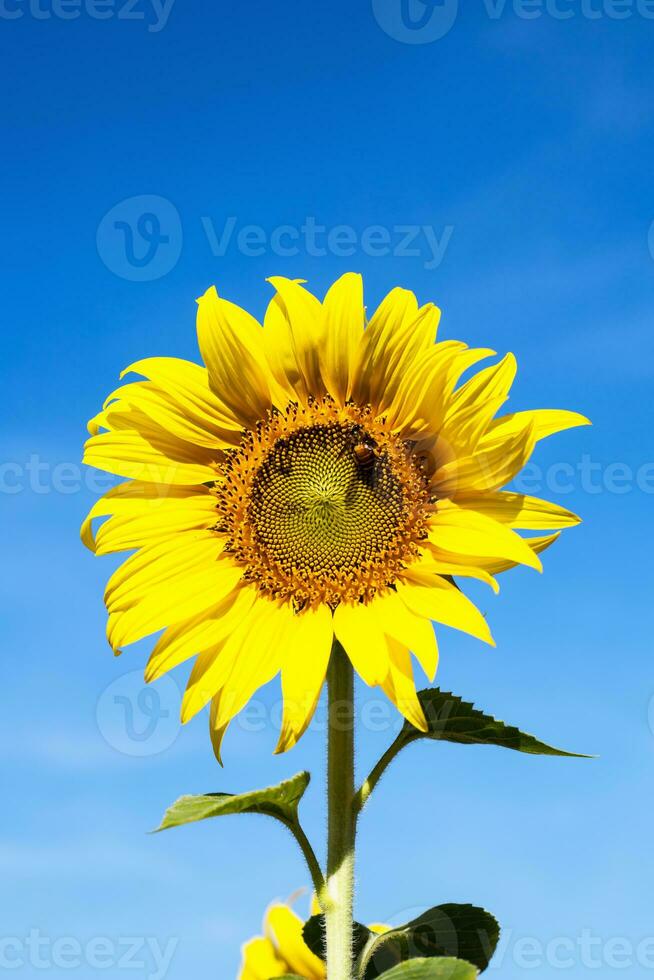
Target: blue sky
512, 145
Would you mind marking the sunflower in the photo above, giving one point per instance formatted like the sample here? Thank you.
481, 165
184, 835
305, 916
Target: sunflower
323, 478
282, 949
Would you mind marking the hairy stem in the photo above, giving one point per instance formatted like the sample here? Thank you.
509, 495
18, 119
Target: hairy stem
341, 821
317, 877
365, 791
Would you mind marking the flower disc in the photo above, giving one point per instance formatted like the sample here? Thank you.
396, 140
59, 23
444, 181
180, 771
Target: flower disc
323, 504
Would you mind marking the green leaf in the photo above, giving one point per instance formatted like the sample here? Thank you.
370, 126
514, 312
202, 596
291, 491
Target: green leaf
454, 720
446, 968
464, 931
279, 801
313, 934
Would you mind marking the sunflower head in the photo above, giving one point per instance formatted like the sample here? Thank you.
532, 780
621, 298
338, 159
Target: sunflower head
281, 950
323, 477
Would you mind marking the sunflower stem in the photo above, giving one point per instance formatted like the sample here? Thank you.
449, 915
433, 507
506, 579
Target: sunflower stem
341, 822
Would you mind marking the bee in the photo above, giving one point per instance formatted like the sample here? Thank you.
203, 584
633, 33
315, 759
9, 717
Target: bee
364, 447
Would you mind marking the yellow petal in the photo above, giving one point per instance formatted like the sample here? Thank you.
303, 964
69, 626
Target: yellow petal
209, 675
135, 498
173, 413
126, 531
378, 346
123, 415
467, 532
127, 453
144, 618
199, 633
249, 658
215, 664
420, 397
415, 632
400, 687
424, 392
189, 384
358, 630
436, 561
475, 403
519, 511
409, 343
537, 544
151, 598
232, 347
444, 603
281, 353
306, 648
285, 928
216, 732
544, 422
260, 961
169, 605
305, 318
342, 330
492, 466
157, 565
